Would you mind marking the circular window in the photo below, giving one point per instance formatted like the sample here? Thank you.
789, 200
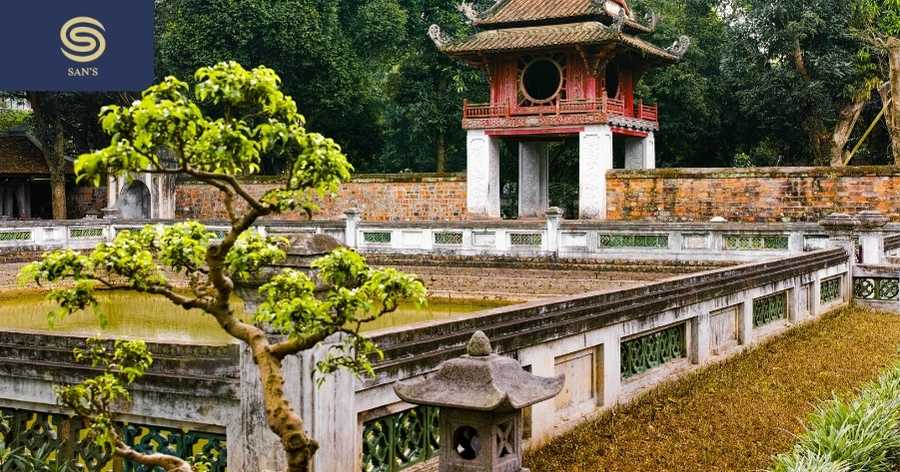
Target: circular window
542, 80
466, 442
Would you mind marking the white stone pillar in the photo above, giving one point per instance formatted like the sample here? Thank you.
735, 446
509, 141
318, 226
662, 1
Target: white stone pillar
534, 182
700, 334
27, 202
553, 215
24, 210
871, 237
483, 175
595, 159
745, 333
112, 191
640, 153
8, 201
351, 227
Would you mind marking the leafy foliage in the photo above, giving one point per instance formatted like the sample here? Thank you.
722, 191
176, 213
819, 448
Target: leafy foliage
881, 16
96, 398
13, 119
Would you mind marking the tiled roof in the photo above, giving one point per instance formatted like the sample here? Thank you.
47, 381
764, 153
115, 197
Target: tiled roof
530, 11
514, 11
18, 155
542, 37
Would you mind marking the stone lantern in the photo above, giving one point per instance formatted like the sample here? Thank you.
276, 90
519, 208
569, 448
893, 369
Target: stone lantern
481, 396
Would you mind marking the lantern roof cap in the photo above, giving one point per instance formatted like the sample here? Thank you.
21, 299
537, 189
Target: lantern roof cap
480, 380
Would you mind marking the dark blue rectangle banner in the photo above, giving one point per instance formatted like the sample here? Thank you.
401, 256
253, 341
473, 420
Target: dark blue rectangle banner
83, 45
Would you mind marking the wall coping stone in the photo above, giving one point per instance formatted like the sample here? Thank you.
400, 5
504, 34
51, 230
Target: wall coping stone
756, 172
411, 177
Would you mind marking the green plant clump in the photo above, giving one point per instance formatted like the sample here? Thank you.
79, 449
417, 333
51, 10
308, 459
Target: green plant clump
862, 434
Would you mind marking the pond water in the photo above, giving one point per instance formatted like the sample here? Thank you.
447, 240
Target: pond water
155, 318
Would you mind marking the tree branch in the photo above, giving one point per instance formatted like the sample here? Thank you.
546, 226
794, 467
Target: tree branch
294, 345
167, 463
231, 181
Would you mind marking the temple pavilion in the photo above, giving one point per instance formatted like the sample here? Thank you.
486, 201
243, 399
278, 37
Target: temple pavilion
557, 69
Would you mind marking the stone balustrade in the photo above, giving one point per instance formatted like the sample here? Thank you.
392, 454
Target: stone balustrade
610, 345
551, 237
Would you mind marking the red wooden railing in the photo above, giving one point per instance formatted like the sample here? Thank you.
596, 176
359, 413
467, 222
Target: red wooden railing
612, 106
647, 112
615, 106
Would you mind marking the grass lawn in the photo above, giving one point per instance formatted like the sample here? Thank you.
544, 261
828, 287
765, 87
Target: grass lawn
736, 415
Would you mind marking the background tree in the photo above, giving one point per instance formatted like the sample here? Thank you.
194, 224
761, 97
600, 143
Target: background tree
424, 90
878, 23
305, 41
699, 123
64, 124
219, 129
794, 65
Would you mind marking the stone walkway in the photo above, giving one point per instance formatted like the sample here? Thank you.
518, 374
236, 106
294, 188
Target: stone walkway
734, 416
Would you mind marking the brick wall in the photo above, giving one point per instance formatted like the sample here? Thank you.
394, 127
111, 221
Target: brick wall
84, 199
752, 195
400, 197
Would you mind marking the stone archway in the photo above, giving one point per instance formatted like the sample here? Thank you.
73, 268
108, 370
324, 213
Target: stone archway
135, 201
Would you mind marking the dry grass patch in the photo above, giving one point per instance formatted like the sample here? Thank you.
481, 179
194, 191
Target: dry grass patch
736, 415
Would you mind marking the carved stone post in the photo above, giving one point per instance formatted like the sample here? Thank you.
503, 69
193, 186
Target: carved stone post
871, 236
351, 227
840, 227
554, 216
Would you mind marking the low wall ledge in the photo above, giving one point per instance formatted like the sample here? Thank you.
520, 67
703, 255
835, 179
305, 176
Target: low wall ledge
755, 172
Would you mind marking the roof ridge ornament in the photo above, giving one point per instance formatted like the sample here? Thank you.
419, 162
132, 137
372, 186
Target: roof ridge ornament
437, 36
652, 20
468, 10
619, 21
680, 47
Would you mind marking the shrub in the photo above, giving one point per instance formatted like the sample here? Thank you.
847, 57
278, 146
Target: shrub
859, 435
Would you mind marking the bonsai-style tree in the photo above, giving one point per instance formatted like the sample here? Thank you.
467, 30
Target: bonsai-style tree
216, 132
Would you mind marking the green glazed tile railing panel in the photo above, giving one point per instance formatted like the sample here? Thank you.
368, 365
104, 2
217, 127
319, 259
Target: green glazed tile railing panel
85, 233
398, 441
653, 350
638, 241
525, 239
15, 236
448, 238
873, 288
769, 308
377, 237
830, 290
63, 439
756, 242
